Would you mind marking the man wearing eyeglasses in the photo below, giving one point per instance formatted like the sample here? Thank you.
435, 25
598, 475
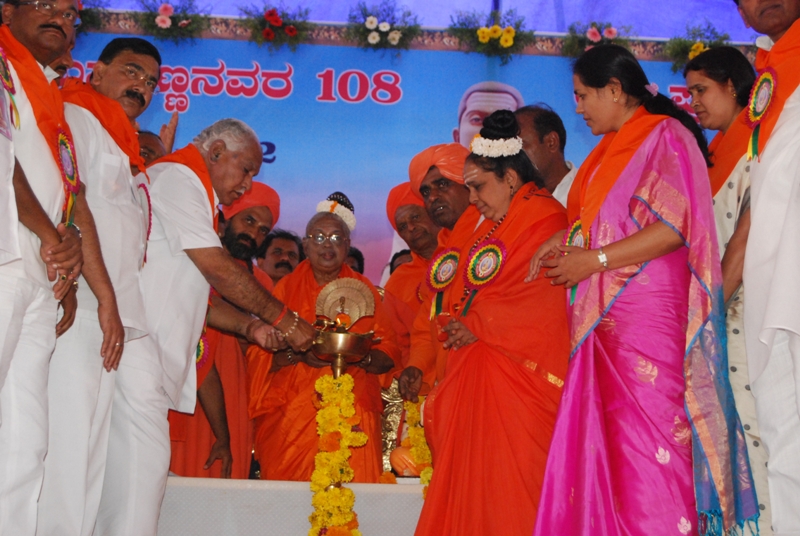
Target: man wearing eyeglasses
86, 363
46, 182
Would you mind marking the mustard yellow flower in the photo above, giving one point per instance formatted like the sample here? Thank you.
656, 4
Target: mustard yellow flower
697, 49
483, 35
506, 41
495, 31
509, 30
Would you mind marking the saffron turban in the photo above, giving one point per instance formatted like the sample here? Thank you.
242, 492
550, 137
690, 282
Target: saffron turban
448, 158
260, 195
400, 195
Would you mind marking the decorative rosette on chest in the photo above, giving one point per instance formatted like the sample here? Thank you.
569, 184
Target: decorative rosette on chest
442, 270
69, 172
575, 236
202, 352
484, 263
759, 105
5, 74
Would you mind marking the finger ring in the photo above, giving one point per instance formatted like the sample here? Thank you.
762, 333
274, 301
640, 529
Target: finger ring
118, 344
63, 277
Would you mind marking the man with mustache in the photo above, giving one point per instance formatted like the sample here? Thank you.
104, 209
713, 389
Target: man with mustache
184, 260
220, 428
46, 181
437, 176
772, 292
101, 114
283, 252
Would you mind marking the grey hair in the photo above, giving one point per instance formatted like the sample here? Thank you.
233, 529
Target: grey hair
233, 132
322, 215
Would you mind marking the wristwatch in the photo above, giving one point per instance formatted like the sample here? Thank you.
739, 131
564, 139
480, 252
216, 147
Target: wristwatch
603, 259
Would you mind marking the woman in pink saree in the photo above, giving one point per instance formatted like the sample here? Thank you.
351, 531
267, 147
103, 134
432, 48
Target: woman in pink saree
647, 440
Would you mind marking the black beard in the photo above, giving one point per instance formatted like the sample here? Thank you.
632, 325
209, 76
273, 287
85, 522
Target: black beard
235, 246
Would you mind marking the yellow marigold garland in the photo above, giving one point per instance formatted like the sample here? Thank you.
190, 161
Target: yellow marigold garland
337, 426
417, 444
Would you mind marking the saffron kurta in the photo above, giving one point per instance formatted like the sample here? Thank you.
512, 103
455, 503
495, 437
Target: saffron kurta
282, 402
404, 293
490, 419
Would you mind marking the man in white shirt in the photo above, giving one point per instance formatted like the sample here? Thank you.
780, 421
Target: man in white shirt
184, 259
772, 290
543, 140
101, 116
31, 39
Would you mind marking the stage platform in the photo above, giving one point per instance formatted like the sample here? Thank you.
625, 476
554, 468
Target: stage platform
204, 506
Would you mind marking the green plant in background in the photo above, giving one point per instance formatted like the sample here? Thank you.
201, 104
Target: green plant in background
176, 20
496, 34
382, 26
698, 39
582, 37
276, 26
92, 15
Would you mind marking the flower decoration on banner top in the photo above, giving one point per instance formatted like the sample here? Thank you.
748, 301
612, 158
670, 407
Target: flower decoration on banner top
382, 27
697, 40
91, 13
495, 148
582, 37
339, 430
176, 20
496, 34
276, 26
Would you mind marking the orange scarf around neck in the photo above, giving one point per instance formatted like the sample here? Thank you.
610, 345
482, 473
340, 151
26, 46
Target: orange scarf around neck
784, 59
48, 109
190, 157
726, 151
604, 165
110, 114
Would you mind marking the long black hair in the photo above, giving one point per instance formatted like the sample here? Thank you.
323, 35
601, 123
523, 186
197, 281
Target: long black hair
597, 66
721, 64
502, 125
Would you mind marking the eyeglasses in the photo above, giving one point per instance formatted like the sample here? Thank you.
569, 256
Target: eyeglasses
49, 9
334, 239
137, 73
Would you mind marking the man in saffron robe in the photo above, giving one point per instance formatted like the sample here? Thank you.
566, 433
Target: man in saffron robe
184, 259
405, 290
282, 384
437, 174
220, 428
771, 318
101, 114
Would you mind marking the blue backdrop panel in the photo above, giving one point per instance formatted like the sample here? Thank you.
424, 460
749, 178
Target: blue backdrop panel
340, 118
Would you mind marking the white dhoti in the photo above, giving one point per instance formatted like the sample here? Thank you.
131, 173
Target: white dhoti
27, 345
775, 392
80, 394
138, 449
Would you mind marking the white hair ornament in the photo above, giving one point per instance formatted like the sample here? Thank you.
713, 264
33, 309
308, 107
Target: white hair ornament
495, 148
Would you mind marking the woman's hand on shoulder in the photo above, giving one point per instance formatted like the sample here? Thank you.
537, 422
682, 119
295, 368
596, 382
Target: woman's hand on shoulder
547, 250
572, 265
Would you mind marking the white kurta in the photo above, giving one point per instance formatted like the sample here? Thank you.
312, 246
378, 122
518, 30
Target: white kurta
27, 328
176, 293
80, 391
561, 193
9, 232
772, 319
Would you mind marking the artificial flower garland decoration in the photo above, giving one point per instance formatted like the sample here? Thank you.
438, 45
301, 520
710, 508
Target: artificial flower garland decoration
338, 429
276, 27
582, 37
698, 39
416, 443
498, 34
176, 20
382, 26
495, 148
